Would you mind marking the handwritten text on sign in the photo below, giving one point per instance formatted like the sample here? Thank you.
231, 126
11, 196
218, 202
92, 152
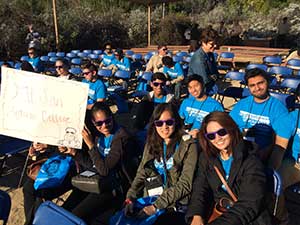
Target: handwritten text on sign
40, 108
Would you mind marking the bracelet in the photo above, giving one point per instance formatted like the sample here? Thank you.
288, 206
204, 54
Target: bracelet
127, 201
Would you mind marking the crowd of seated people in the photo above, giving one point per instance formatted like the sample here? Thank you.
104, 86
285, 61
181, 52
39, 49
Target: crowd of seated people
188, 138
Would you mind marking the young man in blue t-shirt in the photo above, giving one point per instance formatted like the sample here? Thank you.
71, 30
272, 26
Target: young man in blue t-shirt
194, 108
290, 168
175, 73
266, 114
108, 57
97, 89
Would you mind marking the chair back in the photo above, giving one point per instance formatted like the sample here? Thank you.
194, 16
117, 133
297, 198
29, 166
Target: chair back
290, 83
98, 52
104, 73
273, 60
75, 70
122, 74
5, 206
71, 55
233, 75
227, 55
259, 66
76, 61
137, 57
82, 54
286, 99
60, 54
281, 70
294, 62
52, 54
48, 212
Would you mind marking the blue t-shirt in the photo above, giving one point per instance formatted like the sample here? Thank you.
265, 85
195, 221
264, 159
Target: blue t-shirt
108, 59
97, 90
36, 64
104, 144
173, 72
193, 111
160, 100
247, 113
226, 164
124, 64
296, 141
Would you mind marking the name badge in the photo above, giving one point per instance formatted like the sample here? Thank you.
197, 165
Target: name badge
154, 185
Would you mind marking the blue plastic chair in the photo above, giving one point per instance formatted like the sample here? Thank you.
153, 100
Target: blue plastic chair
53, 59
93, 56
181, 54
75, 51
289, 84
233, 75
87, 51
82, 54
272, 60
71, 55
226, 61
49, 213
129, 53
98, 52
18, 65
75, 70
10, 146
60, 54
52, 54
76, 61
177, 59
281, 70
24, 58
137, 57
260, 66
105, 73
286, 99
216, 55
294, 64
147, 57
5, 206
44, 58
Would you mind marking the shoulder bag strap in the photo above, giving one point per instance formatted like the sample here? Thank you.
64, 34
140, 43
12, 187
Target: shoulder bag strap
234, 198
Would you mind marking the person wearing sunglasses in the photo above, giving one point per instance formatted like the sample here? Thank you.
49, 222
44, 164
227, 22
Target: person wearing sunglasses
34, 60
102, 154
155, 63
120, 62
158, 94
223, 147
62, 67
97, 89
107, 58
203, 61
197, 105
167, 168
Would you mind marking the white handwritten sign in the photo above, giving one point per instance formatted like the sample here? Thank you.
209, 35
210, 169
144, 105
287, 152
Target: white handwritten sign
41, 108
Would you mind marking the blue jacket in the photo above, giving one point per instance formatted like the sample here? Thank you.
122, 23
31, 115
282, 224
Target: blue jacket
203, 64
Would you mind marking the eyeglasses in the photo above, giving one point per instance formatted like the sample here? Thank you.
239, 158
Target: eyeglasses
156, 84
165, 49
211, 136
30, 53
86, 73
59, 67
160, 123
101, 122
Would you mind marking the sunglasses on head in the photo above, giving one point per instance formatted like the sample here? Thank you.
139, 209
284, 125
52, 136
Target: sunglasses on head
101, 122
156, 84
211, 136
59, 67
160, 123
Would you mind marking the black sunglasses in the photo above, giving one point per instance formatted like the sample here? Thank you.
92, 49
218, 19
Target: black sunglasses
59, 67
211, 136
86, 73
160, 123
101, 122
156, 84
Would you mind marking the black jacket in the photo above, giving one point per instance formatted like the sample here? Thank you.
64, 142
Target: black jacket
247, 180
120, 146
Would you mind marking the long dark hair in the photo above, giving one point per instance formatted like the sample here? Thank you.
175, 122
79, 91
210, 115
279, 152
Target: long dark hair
226, 122
154, 141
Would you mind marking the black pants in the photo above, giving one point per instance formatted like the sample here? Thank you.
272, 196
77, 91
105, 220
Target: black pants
171, 218
33, 198
93, 208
